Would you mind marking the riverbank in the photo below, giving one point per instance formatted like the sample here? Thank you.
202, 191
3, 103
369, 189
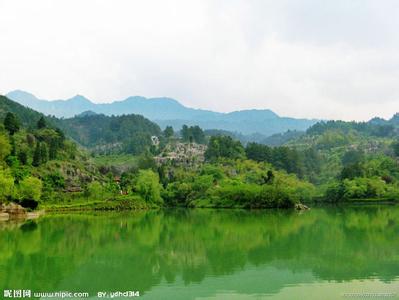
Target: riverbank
12, 211
124, 204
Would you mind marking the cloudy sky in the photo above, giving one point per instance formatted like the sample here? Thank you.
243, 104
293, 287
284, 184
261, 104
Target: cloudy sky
302, 58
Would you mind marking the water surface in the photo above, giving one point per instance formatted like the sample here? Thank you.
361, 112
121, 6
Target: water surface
208, 254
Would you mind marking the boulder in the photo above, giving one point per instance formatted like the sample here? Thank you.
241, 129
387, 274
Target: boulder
4, 216
14, 209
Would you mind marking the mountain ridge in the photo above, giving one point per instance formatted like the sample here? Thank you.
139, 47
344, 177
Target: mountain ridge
168, 112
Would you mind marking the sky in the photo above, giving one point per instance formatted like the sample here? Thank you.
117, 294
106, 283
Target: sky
336, 59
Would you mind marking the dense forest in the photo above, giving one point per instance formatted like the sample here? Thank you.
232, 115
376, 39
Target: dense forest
61, 163
115, 134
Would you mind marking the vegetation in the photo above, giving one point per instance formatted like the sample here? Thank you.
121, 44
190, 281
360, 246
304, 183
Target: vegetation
106, 135
333, 161
192, 134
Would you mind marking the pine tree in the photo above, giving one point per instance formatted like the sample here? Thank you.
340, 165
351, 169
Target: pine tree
36, 156
41, 123
43, 153
11, 123
23, 157
53, 150
168, 132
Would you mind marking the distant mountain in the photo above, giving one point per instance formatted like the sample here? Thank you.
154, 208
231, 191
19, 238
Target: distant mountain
167, 111
58, 108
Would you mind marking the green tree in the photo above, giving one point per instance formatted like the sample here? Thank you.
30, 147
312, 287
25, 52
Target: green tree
148, 186
6, 184
192, 134
258, 152
198, 134
23, 157
5, 147
43, 153
352, 171
352, 157
168, 132
185, 133
11, 123
395, 147
30, 188
146, 161
95, 190
224, 147
37, 156
41, 123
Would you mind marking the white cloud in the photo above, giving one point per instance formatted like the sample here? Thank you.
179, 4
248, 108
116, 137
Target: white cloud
308, 58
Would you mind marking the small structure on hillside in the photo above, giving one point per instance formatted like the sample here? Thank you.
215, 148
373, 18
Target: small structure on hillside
182, 154
155, 140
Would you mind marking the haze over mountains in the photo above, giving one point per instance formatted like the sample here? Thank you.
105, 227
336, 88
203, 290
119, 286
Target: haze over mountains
167, 111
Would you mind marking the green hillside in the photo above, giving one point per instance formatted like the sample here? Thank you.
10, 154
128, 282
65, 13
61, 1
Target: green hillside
114, 134
332, 161
28, 117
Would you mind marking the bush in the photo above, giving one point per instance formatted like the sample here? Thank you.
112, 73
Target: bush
30, 188
148, 186
6, 184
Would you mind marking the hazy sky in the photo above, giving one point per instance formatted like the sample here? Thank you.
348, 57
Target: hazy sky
300, 58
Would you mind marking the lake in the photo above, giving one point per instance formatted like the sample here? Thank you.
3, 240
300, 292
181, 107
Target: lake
324, 253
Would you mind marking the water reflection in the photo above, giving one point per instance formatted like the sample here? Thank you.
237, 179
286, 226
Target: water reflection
202, 253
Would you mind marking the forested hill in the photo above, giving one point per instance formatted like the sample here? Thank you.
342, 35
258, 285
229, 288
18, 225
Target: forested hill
169, 112
332, 134
28, 117
106, 134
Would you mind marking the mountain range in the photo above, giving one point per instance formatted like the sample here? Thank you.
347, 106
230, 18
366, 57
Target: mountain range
167, 111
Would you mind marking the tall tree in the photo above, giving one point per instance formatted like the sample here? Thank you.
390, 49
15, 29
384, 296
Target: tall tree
41, 123
168, 132
43, 152
11, 123
5, 147
37, 156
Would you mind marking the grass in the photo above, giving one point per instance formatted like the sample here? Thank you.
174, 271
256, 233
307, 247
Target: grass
118, 203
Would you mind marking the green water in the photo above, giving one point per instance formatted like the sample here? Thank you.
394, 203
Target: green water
207, 254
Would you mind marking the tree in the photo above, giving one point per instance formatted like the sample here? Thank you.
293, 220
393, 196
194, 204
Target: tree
198, 134
37, 156
30, 188
168, 132
192, 134
224, 147
352, 171
43, 153
185, 133
138, 143
41, 123
146, 161
148, 186
52, 154
352, 157
258, 152
23, 157
95, 190
395, 147
6, 184
11, 123
5, 147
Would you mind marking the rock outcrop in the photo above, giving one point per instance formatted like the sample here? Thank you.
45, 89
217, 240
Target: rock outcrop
300, 206
12, 209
